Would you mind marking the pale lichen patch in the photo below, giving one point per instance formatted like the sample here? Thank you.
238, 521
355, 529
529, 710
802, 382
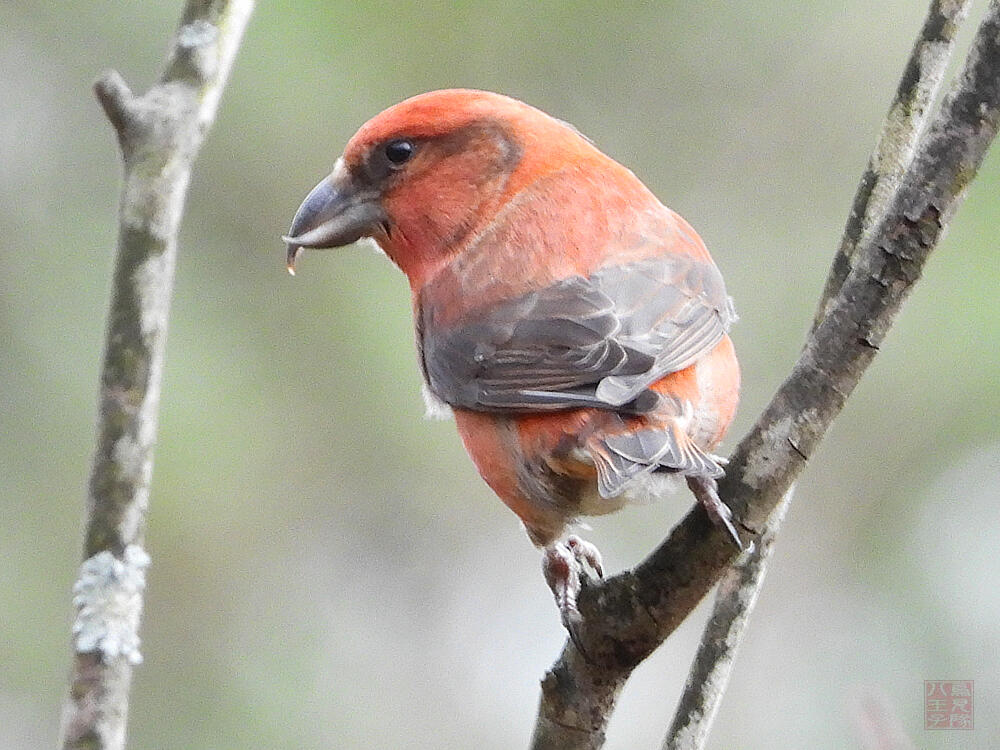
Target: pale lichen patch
108, 599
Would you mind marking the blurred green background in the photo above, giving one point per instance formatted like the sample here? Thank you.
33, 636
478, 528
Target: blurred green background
328, 569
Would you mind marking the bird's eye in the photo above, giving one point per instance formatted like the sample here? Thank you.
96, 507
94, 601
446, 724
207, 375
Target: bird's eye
398, 152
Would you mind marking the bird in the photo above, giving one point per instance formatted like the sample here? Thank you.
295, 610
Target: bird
574, 326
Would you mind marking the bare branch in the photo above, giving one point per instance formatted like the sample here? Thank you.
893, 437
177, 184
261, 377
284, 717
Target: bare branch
897, 143
160, 134
626, 617
900, 134
117, 100
709, 674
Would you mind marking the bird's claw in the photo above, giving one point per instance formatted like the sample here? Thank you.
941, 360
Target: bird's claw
564, 565
722, 516
586, 552
706, 490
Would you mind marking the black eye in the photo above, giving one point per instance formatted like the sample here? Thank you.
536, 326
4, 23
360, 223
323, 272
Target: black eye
398, 152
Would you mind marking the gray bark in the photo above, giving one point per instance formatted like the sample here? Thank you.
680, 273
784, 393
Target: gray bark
738, 590
626, 617
160, 134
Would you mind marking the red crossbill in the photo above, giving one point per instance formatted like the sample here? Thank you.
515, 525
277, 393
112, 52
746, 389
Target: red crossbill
575, 325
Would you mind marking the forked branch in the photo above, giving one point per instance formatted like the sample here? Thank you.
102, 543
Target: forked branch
625, 618
904, 123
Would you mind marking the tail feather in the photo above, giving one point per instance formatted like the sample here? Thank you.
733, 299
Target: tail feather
623, 457
614, 471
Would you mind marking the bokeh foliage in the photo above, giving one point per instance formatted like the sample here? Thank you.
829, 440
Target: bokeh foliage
328, 570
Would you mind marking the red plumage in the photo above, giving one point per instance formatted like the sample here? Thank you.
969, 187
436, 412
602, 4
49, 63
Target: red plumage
576, 326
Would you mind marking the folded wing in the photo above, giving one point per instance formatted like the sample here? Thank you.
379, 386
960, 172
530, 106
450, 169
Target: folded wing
598, 341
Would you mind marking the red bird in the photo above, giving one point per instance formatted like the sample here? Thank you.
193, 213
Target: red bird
575, 325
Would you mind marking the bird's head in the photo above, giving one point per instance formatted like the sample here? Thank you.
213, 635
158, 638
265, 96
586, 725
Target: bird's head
425, 175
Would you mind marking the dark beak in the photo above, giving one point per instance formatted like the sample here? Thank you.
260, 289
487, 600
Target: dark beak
335, 213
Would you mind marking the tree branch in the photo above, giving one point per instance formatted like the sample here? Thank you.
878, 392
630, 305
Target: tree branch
160, 134
897, 143
626, 617
709, 674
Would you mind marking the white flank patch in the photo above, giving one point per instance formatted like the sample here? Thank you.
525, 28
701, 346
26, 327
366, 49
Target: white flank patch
434, 408
372, 245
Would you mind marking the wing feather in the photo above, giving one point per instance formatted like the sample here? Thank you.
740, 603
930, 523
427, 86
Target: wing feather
597, 341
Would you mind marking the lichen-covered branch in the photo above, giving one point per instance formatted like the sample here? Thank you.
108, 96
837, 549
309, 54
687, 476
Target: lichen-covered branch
160, 133
904, 123
897, 143
626, 617
709, 673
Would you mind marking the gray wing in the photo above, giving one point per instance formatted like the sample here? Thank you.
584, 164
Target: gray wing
598, 341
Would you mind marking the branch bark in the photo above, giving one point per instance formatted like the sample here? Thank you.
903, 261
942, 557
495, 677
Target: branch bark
709, 674
897, 143
626, 617
160, 134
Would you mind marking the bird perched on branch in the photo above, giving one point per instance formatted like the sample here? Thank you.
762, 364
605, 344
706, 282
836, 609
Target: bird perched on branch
575, 325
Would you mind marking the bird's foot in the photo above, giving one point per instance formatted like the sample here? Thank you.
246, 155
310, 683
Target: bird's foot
707, 491
564, 565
